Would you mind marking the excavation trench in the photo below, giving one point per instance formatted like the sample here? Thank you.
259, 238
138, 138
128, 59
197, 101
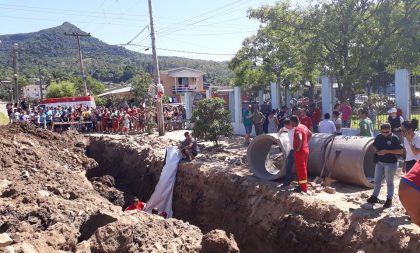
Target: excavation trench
262, 218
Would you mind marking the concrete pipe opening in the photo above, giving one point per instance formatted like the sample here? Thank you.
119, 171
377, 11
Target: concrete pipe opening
266, 155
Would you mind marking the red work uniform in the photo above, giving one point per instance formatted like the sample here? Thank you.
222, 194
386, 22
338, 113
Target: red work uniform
135, 206
301, 156
307, 121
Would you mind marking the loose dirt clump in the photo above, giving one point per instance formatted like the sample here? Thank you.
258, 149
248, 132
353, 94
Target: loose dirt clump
48, 205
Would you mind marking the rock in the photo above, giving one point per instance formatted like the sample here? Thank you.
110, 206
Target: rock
364, 195
25, 174
329, 190
5, 240
318, 190
4, 185
217, 241
28, 248
9, 249
43, 193
34, 169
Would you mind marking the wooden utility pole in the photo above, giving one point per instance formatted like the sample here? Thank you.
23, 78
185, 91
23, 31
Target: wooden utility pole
82, 69
40, 82
15, 75
156, 75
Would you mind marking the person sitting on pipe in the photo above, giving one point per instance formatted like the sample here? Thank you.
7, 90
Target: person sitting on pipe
188, 147
136, 205
301, 139
388, 146
409, 193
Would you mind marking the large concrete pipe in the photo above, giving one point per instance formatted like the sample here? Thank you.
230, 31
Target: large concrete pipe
318, 153
352, 160
266, 155
347, 159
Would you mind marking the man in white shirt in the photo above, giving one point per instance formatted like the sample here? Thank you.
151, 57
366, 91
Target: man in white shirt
327, 126
290, 160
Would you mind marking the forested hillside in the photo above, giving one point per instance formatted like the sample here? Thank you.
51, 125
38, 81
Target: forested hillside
57, 55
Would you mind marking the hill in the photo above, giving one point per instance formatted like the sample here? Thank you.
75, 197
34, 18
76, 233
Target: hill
57, 54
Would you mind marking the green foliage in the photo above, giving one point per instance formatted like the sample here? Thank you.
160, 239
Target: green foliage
140, 84
211, 120
62, 89
100, 101
104, 62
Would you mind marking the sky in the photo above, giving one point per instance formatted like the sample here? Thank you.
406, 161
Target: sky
200, 29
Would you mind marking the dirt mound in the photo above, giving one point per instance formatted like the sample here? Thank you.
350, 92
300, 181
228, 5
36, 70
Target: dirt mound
217, 241
48, 205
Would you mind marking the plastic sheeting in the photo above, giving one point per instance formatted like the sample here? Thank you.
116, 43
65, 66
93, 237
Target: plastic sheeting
162, 196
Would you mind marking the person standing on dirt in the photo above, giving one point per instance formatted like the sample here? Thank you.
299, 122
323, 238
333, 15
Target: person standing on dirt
411, 143
247, 121
290, 160
301, 139
304, 119
258, 118
346, 111
188, 147
395, 120
388, 146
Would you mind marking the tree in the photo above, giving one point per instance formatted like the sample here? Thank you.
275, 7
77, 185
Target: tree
211, 120
94, 87
140, 84
61, 89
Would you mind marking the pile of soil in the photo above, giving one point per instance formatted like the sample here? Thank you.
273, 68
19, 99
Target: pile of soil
48, 205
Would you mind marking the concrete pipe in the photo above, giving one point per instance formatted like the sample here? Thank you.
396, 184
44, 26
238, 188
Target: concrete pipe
348, 159
266, 155
318, 153
351, 160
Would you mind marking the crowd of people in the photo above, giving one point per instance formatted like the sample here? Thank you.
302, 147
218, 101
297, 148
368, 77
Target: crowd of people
115, 120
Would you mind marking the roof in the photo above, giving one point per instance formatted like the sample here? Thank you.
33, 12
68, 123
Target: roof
183, 72
116, 91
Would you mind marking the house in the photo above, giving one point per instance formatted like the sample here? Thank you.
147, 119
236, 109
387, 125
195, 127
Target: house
178, 81
33, 91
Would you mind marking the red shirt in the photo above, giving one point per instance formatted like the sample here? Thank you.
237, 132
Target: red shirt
306, 121
316, 116
135, 206
303, 131
346, 112
412, 178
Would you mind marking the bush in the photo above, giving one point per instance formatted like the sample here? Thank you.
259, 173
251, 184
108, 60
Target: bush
211, 120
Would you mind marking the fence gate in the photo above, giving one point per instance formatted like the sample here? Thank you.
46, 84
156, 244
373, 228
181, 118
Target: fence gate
415, 94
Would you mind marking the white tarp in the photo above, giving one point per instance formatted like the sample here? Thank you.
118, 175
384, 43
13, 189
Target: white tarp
162, 196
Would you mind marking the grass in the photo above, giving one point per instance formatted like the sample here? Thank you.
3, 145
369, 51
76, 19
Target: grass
4, 120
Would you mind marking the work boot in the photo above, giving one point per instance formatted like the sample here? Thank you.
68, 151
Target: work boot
373, 200
388, 203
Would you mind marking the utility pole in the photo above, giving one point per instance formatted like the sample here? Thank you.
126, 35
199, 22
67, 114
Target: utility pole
159, 106
15, 75
82, 70
40, 82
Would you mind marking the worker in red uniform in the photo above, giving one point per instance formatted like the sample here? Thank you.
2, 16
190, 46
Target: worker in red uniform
409, 193
136, 205
301, 152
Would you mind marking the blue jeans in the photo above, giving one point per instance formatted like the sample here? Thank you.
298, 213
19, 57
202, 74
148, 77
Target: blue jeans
290, 160
387, 171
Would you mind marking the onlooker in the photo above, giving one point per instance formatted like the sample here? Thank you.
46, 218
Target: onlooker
281, 116
337, 122
388, 146
136, 205
258, 119
346, 112
315, 116
372, 114
290, 160
247, 121
304, 119
365, 124
409, 193
326, 125
395, 121
411, 143
188, 147
301, 139
273, 122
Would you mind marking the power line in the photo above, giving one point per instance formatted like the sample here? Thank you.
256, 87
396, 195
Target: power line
179, 51
135, 37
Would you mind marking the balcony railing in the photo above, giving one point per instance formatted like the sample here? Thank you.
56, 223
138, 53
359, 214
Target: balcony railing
182, 88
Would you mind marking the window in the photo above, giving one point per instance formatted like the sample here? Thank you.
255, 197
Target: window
182, 80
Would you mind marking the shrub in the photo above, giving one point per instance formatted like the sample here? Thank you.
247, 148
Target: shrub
211, 120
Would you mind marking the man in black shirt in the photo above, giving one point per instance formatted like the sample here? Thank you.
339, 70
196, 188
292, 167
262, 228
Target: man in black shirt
388, 146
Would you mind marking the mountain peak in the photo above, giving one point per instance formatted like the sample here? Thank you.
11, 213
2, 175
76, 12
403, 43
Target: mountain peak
69, 27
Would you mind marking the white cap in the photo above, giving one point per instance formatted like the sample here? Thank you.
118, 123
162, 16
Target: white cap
393, 109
